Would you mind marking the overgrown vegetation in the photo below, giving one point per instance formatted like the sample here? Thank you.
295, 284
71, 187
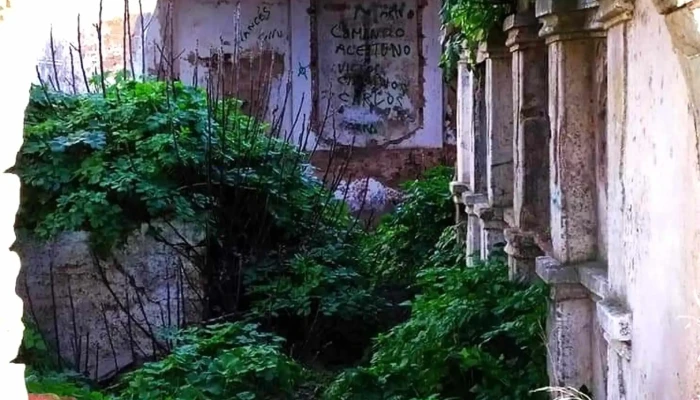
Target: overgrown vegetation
465, 23
305, 297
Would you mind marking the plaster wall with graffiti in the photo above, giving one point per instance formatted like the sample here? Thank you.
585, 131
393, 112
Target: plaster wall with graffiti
357, 76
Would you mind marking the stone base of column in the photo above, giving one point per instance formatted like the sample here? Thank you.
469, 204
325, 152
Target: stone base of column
492, 227
474, 244
569, 326
457, 189
522, 251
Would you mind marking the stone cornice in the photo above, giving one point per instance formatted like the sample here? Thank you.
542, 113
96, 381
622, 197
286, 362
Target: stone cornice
568, 20
614, 12
521, 30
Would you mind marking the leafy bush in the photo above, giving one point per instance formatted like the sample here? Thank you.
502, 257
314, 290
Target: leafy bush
152, 151
405, 238
465, 24
473, 334
224, 361
66, 384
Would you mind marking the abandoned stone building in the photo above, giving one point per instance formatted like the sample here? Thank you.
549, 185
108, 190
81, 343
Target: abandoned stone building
577, 141
303, 61
578, 149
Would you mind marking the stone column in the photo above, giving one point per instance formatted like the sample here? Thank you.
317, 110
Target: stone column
476, 196
530, 144
499, 120
613, 315
464, 122
498, 136
573, 41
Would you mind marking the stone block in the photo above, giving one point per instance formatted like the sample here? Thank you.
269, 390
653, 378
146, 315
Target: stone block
615, 320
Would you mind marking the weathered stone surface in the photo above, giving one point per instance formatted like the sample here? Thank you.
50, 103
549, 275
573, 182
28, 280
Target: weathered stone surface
499, 120
108, 312
473, 236
569, 327
531, 124
574, 128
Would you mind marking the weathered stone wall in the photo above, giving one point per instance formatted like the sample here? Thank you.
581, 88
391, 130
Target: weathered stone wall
305, 69
102, 315
654, 221
605, 114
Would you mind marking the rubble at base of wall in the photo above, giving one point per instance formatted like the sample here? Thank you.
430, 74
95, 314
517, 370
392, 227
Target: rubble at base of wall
103, 315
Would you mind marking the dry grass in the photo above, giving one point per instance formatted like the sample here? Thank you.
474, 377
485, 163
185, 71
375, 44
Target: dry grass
562, 393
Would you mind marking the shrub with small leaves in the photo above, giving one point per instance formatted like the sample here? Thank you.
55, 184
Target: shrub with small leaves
472, 334
223, 361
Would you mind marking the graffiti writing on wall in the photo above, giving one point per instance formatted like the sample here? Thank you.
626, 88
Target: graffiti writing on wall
369, 68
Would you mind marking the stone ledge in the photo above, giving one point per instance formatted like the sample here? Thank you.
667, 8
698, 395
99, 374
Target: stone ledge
552, 272
472, 199
591, 275
488, 213
594, 277
615, 320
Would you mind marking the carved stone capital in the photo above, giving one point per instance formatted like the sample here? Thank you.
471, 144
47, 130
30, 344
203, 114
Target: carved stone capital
494, 47
521, 244
568, 20
458, 188
614, 12
522, 31
488, 213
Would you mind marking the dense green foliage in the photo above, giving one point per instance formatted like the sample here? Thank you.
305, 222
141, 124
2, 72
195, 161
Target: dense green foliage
472, 334
465, 23
404, 238
225, 361
316, 289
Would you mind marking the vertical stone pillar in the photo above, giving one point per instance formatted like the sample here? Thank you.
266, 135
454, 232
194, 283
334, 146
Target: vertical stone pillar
497, 128
573, 41
499, 120
614, 14
530, 144
476, 196
464, 123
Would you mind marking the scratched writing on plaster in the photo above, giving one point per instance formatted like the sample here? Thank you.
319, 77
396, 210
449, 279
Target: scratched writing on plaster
374, 32
261, 16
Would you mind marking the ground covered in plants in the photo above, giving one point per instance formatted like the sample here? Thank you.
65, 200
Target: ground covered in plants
309, 303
